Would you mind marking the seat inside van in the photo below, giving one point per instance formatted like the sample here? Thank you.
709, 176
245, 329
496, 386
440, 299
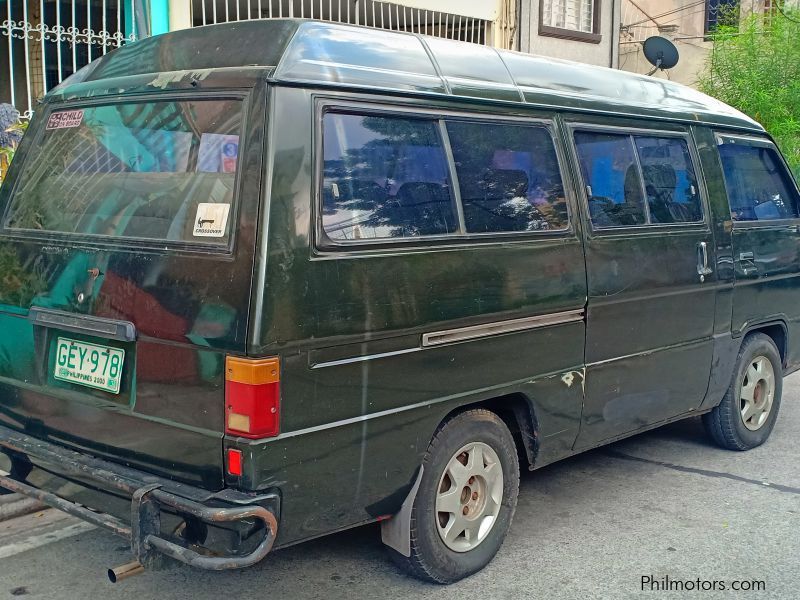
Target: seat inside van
498, 201
660, 182
426, 206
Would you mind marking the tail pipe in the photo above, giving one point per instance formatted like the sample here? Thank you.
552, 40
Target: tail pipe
124, 571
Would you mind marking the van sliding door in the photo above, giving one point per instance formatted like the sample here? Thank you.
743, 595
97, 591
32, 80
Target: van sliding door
650, 311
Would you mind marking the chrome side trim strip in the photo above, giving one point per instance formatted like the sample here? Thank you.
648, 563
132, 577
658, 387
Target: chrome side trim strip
495, 389
438, 338
448, 336
355, 359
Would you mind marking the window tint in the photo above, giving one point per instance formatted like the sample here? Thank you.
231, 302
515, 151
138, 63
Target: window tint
608, 166
759, 188
669, 180
508, 176
154, 170
384, 177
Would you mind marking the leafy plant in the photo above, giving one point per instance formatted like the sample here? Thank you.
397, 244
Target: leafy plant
8, 143
754, 66
19, 283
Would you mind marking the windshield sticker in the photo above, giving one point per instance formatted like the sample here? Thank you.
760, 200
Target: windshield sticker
218, 153
65, 119
230, 152
211, 219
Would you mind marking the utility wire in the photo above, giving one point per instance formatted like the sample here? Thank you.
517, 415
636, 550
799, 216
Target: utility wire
665, 14
783, 12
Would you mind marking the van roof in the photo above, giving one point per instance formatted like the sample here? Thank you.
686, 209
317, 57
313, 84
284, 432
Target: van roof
333, 54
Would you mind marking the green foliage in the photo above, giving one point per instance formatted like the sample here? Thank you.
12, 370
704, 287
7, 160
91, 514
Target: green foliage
755, 66
19, 283
7, 152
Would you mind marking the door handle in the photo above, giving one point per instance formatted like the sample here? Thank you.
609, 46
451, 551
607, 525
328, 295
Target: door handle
747, 262
123, 331
702, 261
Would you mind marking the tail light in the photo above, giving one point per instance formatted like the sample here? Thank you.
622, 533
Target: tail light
235, 462
252, 397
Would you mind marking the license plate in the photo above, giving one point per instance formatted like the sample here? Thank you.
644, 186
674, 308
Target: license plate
87, 364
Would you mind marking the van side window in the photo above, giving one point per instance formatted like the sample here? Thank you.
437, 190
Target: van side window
608, 166
384, 177
621, 171
508, 176
669, 180
759, 187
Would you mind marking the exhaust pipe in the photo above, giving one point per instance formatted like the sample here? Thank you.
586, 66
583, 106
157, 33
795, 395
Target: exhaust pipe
124, 571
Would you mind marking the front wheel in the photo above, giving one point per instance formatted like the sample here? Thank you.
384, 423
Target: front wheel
745, 417
466, 498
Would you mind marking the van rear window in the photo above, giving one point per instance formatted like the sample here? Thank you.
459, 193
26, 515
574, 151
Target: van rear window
145, 170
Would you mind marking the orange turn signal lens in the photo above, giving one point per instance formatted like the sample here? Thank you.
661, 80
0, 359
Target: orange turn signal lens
252, 371
252, 397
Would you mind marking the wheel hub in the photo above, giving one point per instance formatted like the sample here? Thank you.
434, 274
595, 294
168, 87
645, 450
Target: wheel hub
469, 496
757, 393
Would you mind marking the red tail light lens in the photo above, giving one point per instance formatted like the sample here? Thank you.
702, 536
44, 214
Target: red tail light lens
252, 397
235, 462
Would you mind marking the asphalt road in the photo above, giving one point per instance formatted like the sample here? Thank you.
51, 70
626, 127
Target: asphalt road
662, 504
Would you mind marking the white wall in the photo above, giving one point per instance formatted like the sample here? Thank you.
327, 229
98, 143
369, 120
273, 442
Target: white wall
478, 9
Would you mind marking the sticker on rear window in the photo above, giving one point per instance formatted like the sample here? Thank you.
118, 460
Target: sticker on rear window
211, 219
65, 119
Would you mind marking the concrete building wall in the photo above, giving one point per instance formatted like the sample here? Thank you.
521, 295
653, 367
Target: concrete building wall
681, 21
602, 52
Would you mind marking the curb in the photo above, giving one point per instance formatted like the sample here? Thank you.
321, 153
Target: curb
17, 505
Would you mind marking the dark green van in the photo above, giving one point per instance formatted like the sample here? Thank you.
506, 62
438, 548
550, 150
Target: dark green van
269, 280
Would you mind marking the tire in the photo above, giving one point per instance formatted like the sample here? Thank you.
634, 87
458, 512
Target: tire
466, 438
742, 420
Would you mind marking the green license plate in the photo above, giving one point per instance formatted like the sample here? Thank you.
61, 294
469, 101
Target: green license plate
87, 364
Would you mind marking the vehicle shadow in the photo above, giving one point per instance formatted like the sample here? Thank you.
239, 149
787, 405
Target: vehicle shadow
354, 563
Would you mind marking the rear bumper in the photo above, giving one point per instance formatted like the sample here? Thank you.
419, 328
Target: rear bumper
150, 498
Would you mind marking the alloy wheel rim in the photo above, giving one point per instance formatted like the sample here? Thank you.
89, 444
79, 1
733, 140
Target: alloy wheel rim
757, 393
469, 496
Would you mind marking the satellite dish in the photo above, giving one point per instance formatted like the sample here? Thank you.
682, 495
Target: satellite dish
660, 52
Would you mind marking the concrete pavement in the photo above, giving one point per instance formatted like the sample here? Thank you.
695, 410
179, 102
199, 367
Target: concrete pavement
663, 504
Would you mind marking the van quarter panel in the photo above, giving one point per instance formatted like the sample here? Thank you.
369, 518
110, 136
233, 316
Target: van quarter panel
367, 423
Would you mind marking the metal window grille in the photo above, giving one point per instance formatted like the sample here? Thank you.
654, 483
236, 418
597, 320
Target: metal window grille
575, 15
46, 41
636, 26
720, 12
372, 13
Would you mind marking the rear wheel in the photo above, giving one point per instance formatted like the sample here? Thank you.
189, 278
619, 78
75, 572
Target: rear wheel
745, 417
466, 498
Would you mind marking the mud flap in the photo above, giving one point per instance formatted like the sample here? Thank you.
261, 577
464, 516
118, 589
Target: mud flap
396, 532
